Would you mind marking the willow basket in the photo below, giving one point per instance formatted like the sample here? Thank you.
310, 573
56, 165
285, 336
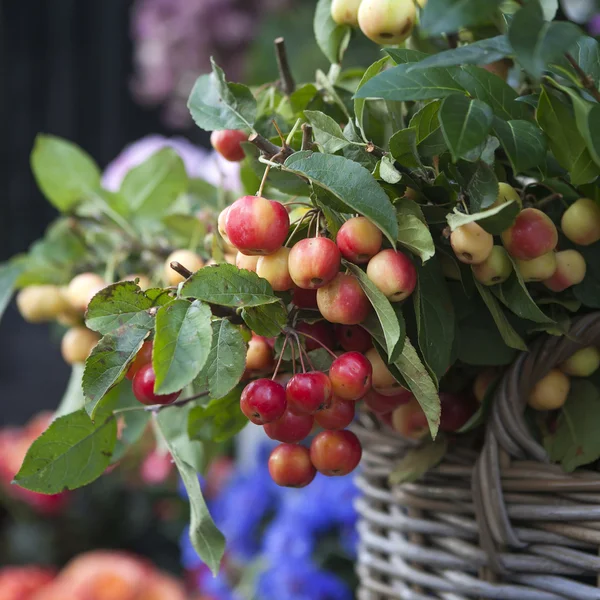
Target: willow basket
499, 522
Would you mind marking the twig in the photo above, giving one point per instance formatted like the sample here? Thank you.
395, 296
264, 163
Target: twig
279, 133
179, 268
586, 80
287, 80
307, 137
375, 151
270, 150
156, 408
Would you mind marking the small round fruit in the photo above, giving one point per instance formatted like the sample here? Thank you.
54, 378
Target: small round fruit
39, 303
188, 259
350, 376
496, 268
506, 193
259, 356
290, 466
221, 221
343, 301
314, 262
383, 381
550, 392
353, 338
77, 344
335, 453
257, 226
393, 273
501, 68
570, 270
246, 262
338, 416
82, 289
345, 12
583, 363
274, 268
290, 428
532, 234
308, 393
305, 298
410, 421
143, 357
538, 269
581, 222
482, 383
263, 401
143, 388
380, 404
359, 240
322, 331
456, 411
471, 243
387, 22
228, 143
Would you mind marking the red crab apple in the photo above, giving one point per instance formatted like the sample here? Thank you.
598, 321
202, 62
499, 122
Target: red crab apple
538, 269
350, 376
246, 262
274, 268
387, 22
143, 388
335, 453
314, 262
410, 421
570, 270
338, 416
290, 427
532, 234
322, 331
581, 222
257, 226
393, 273
308, 392
228, 144
550, 392
290, 466
471, 243
345, 12
380, 404
353, 338
305, 298
263, 401
456, 411
259, 356
583, 363
496, 268
143, 357
359, 240
383, 381
343, 301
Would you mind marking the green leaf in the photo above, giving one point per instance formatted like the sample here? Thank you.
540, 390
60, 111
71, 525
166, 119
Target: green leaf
417, 461
183, 231
9, 273
413, 232
226, 361
586, 52
71, 453
383, 308
448, 16
328, 134
402, 56
523, 142
386, 171
360, 103
73, 398
486, 151
109, 361
493, 220
351, 183
227, 285
430, 139
481, 183
434, 313
267, 320
215, 104
332, 38
403, 146
65, 173
182, 343
465, 123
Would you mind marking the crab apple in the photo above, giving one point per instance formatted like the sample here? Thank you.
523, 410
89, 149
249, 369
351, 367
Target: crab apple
343, 301
382, 380
314, 262
246, 262
380, 404
496, 268
39, 303
538, 269
350, 376
482, 383
143, 357
259, 356
410, 421
393, 273
532, 234
583, 363
550, 392
263, 401
188, 259
290, 466
501, 68
387, 22
471, 243
77, 344
570, 270
456, 411
353, 338
257, 226
143, 388
221, 221
82, 289
290, 427
274, 268
322, 331
335, 453
228, 143
506, 193
307, 393
338, 416
581, 222
359, 240
304, 298
345, 12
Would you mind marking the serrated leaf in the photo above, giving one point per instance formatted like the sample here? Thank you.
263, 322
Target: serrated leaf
448, 16
328, 134
227, 285
71, 453
417, 461
426, 122
73, 398
481, 183
402, 56
219, 420
64, 172
413, 233
486, 151
332, 38
182, 343
586, 52
267, 320
403, 147
351, 183
9, 273
493, 220
523, 142
360, 103
386, 171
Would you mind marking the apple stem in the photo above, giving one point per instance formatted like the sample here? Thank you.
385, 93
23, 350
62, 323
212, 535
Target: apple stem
280, 133
295, 334
293, 359
305, 216
263, 181
318, 230
312, 367
551, 198
286, 79
285, 341
156, 408
314, 339
179, 268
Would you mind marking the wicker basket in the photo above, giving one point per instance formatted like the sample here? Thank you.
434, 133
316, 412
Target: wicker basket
500, 523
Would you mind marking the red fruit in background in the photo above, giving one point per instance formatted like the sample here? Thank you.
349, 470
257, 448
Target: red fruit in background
143, 357
343, 301
321, 330
305, 298
338, 416
393, 273
350, 376
335, 453
314, 262
353, 338
259, 356
257, 226
290, 428
456, 411
220, 471
359, 240
570, 270
382, 380
381, 404
156, 468
532, 234
410, 421
21, 583
263, 401
228, 144
290, 466
308, 392
143, 388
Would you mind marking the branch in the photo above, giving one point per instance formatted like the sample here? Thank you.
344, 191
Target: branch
307, 137
287, 80
270, 150
179, 268
375, 151
586, 80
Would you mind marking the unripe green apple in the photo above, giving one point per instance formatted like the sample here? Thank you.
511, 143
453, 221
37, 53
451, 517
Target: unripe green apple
506, 193
550, 392
538, 269
39, 303
583, 363
345, 12
387, 22
496, 268
82, 289
581, 222
570, 270
77, 344
471, 243
188, 259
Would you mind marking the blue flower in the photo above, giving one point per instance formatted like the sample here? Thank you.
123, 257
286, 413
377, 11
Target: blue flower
289, 538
